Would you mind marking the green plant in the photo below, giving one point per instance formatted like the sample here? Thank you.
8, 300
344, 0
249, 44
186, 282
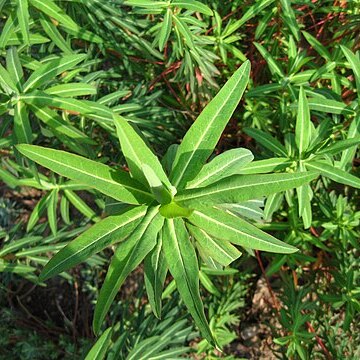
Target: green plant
166, 209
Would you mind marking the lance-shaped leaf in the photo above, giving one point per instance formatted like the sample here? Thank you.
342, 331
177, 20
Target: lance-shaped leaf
252, 11
106, 232
99, 349
239, 188
193, 5
56, 122
229, 227
137, 153
348, 155
88, 108
165, 29
304, 197
51, 9
183, 265
14, 67
54, 34
71, 89
303, 125
202, 137
22, 128
220, 250
334, 173
268, 141
155, 270
23, 19
7, 82
329, 106
226, 164
128, 255
354, 63
51, 69
339, 146
273, 65
114, 183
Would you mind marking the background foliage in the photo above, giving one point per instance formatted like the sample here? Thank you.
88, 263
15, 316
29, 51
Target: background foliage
67, 66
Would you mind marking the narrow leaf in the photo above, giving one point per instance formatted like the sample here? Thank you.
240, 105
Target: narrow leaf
239, 188
99, 349
231, 228
137, 153
220, 250
201, 138
127, 257
155, 270
334, 173
114, 183
268, 141
183, 265
51, 69
111, 230
303, 124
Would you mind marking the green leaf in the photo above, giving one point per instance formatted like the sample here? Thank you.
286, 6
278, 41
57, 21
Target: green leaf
165, 29
348, 155
266, 166
22, 128
51, 9
273, 65
183, 265
252, 11
329, 106
226, 226
239, 188
334, 173
137, 153
321, 49
229, 163
114, 183
71, 90
268, 141
183, 29
6, 81
56, 122
201, 138
339, 146
220, 250
14, 67
273, 203
99, 349
127, 257
111, 230
354, 63
290, 18
23, 19
193, 5
80, 205
8, 29
303, 124
37, 212
155, 270
150, 4
54, 34
87, 108
51, 69
52, 211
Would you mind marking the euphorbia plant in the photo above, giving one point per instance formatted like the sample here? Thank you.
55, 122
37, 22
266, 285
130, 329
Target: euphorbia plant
170, 215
